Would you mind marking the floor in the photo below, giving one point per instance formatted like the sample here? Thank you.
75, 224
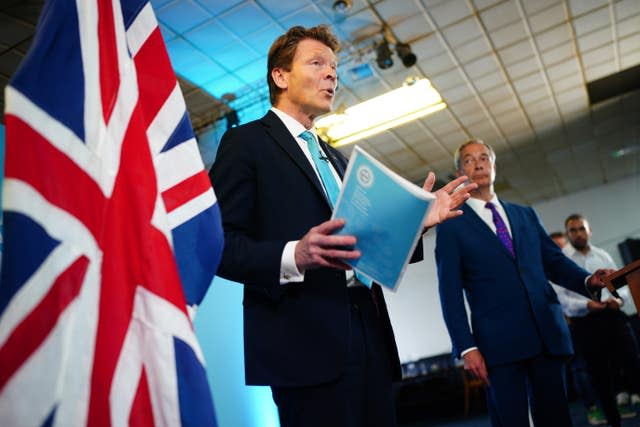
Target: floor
578, 412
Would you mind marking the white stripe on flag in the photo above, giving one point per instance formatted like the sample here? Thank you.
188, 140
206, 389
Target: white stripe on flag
166, 121
55, 132
72, 339
192, 208
33, 391
59, 224
177, 164
155, 322
36, 288
141, 28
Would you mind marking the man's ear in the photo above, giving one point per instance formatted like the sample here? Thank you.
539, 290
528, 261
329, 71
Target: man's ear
458, 173
280, 78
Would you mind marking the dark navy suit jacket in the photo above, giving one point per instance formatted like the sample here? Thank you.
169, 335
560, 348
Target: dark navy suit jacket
515, 313
294, 334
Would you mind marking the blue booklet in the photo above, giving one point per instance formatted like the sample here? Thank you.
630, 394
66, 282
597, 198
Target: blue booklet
385, 212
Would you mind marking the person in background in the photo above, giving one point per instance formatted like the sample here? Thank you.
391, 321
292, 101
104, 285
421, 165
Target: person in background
576, 305
500, 257
619, 350
312, 331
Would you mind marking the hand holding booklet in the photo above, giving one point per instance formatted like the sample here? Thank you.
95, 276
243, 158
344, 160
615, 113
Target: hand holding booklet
385, 213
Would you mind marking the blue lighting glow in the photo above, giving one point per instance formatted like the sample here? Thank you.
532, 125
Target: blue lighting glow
225, 84
218, 326
202, 72
182, 16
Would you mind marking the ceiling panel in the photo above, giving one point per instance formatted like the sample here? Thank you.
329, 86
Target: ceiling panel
513, 73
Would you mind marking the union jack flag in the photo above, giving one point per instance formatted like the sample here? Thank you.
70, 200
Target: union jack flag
111, 228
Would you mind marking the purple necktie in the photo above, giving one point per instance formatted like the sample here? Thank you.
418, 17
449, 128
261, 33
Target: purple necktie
501, 229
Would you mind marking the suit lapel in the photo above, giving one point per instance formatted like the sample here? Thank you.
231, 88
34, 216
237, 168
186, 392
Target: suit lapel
478, 223
282, 137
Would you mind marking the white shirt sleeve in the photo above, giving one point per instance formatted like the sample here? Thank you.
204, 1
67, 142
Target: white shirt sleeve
573, 304
288, 269
470, 349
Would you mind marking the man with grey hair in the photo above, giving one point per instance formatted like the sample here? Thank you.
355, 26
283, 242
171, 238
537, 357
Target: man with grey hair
499, 255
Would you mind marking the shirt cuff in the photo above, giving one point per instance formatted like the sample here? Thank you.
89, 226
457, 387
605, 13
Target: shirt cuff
288, 269
470, 349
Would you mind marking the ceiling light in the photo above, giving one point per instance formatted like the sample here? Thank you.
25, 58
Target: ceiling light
415, 99
342, 6
406, 55
383, 55
625, 151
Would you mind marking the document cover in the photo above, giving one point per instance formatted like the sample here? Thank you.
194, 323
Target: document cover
385, 212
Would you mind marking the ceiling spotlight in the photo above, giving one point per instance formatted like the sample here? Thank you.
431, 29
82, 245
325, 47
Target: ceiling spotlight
404, 52
383, 55
342, 6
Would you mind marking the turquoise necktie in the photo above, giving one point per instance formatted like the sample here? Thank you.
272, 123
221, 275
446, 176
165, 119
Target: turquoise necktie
328, 180
322, 166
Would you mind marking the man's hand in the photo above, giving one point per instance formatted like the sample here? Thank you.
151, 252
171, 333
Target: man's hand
595, 306
447, 200
612, 303
595, 281
474, 363
318, 248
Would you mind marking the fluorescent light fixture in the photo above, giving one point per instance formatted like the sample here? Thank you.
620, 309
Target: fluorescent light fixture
415, 99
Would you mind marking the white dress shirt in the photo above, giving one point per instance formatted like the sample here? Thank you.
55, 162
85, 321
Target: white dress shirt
573, 304
599, 258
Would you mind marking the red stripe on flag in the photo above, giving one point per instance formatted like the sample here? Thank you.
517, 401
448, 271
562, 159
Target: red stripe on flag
135, 254
186, 190
63, 183
30, 333
156, 78
109, 73
141, 410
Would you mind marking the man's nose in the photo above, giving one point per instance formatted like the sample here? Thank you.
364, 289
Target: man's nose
332, 73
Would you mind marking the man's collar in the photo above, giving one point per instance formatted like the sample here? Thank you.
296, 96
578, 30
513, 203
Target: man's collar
569, 250
479, 203
294, 127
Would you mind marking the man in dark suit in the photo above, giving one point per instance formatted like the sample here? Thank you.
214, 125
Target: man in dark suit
320, 339
503, 259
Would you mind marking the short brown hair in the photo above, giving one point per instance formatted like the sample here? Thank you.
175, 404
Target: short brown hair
456, 156
283, 50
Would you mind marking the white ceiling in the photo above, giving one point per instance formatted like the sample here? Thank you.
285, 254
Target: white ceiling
513, 73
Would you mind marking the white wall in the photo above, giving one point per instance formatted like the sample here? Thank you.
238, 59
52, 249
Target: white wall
613, 211
415, 309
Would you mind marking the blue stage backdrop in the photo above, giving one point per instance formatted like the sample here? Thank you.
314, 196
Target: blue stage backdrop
218, 326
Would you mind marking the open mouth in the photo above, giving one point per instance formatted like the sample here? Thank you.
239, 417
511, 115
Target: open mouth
329, 92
